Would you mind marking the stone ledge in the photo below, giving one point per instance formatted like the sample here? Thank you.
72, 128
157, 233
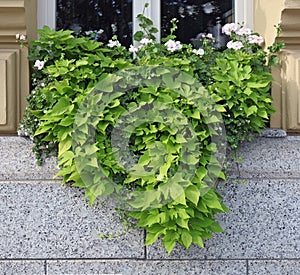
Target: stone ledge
270, 158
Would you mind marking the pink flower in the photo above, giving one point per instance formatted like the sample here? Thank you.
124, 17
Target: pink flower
244, 31
229, 28
39, 64
237, 45
255, 39
173, 46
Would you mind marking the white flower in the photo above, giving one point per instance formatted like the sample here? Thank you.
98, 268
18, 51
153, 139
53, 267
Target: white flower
88, 32
146, 41
229, 28
22, 37
39, 64
198, 52
209, 36
237, 45
255, 39
244, 31
172, 45
113, 43
133, 49
100, 31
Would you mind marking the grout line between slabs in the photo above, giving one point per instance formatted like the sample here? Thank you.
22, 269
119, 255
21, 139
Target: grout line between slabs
45, 267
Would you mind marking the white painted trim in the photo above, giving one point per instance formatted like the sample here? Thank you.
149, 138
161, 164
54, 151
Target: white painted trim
244, 12
153, 12
46, 13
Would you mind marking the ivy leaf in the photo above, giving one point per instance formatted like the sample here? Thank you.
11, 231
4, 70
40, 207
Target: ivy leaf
183, 223
151, 238
176, 191
192, 194
186, 238
64, 145
169, 245
197, 238
215, 227
251, 110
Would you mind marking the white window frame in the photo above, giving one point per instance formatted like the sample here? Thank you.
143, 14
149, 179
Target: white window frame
46, 13
244, 13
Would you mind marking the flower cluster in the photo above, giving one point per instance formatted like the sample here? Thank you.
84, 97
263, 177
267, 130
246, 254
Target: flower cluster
173, 45
198, 52
94, 32
240, 36
113, 43
21, 38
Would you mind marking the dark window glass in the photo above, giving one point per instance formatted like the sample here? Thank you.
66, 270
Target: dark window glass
107, 18
196, 17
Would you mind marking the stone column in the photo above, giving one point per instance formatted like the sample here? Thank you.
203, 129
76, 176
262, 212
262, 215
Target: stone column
286, 84
16, 16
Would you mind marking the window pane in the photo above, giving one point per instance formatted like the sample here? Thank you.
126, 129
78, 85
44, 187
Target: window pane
196, 17
108, 17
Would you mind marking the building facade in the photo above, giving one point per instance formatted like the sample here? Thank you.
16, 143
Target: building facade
25, 16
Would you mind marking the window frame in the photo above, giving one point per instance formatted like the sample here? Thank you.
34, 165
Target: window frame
244, 13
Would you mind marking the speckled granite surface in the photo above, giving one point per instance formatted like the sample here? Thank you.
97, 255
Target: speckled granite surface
46, 228
17, 161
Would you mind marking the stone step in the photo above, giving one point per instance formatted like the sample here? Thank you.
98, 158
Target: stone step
47, 220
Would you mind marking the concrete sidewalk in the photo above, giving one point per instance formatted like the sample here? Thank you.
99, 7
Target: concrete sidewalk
47, 229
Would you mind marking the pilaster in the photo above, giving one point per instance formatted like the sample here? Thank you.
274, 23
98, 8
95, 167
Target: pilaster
16, 16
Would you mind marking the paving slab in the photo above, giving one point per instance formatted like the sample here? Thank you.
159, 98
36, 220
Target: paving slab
271, 158
22, 268
125, 267
290, 267
42, 220
17, 161
264, 223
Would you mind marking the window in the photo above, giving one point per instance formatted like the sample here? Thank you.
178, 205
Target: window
105, 17
118, 17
